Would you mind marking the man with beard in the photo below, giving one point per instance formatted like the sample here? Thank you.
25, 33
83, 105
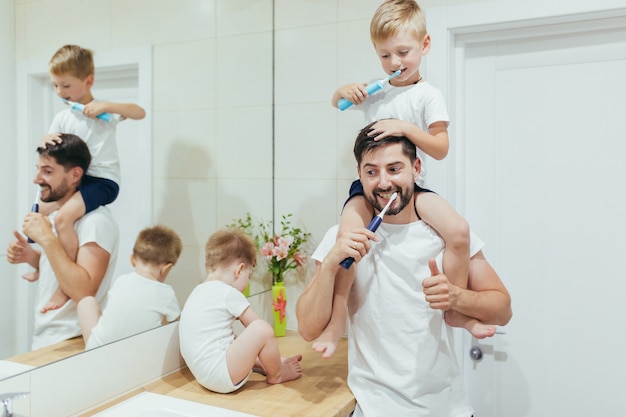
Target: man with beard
60, 169
400, 351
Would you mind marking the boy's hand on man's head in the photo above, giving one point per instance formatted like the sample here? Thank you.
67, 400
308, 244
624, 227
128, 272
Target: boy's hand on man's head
388, 127
51, 138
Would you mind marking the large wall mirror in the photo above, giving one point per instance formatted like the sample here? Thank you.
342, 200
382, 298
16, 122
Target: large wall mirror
203, 156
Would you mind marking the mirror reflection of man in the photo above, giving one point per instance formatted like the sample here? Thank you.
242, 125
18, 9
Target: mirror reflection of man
60, 168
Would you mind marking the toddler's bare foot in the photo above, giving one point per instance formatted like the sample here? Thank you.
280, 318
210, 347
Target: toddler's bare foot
57, 301
326, 345
31, 276
290, 369
480, 330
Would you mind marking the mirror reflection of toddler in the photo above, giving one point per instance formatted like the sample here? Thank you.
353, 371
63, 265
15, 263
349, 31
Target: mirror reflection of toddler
140, 300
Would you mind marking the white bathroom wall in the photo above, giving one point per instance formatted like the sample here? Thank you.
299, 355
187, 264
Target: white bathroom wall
7, 162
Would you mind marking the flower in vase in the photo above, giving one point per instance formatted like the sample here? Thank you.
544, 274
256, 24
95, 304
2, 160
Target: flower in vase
283, 250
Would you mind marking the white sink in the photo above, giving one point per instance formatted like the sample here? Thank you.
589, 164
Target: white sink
8, 368
148, 404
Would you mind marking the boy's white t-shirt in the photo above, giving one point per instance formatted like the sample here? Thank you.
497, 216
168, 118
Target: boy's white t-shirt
421, 104
99, 137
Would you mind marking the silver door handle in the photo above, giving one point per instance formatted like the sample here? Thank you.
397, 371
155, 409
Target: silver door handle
476, 353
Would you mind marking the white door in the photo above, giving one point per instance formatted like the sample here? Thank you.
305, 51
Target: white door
545, 167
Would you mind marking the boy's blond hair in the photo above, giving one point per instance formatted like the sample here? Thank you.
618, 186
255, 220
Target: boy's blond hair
158, 245
227, 246
395, 16
72, 60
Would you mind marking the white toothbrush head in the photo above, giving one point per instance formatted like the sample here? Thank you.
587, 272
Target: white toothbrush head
395, 74
393, 197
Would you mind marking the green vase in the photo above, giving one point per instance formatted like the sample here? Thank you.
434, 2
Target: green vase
279, 308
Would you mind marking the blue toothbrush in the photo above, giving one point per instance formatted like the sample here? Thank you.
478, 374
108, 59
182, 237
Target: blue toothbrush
35, 208
371, 89
80, 107
376, 221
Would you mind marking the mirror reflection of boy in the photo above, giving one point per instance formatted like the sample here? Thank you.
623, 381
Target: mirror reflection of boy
140, 300
72, 72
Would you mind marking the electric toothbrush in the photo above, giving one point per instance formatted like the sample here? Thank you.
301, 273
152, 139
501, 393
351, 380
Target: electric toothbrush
35, 208
376, 221
371, 89
80, 107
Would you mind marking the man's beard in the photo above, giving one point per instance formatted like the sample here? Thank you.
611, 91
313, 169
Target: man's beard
404, 196
56, 194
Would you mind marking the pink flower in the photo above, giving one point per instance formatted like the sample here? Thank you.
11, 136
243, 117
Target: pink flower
268, 250
299, 258
281, 251
285, 240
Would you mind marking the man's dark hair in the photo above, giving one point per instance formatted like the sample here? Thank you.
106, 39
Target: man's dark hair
71, 152
365, 144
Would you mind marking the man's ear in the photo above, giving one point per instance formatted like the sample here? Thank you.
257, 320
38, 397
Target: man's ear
77, 174
417, 168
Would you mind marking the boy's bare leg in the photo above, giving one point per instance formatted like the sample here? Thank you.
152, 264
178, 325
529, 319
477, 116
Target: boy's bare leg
31, 276
89, 313
326, 343
64, 221
57, 301
47, 208
257, 345
477, 328
357, 213
454, 230
258, 367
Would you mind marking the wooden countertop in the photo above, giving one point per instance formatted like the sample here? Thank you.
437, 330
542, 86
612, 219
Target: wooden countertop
320, 392
51, 353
